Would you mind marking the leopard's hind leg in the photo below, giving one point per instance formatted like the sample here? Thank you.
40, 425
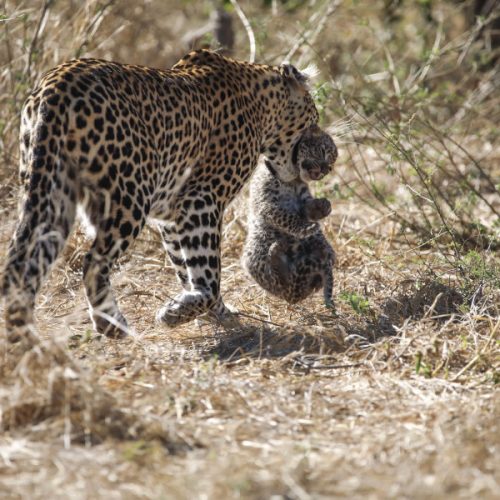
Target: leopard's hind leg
116, 228
47, 214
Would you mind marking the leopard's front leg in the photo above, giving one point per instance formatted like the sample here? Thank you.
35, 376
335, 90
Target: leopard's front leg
174, 252
198, 233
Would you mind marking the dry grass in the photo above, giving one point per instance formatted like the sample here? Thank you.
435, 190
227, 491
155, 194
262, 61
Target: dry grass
395, 397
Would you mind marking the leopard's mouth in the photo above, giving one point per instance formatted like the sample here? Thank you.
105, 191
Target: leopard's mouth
294, 163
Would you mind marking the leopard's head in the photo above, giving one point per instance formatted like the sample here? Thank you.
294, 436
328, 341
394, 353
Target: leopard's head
314, 154
296, 113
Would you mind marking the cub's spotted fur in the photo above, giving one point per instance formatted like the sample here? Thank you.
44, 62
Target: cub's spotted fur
285, 251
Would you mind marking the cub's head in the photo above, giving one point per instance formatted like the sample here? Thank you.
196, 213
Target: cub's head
314, 154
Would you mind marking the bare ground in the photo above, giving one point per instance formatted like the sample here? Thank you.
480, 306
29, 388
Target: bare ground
295, 403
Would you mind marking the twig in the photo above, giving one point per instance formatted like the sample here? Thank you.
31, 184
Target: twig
93, 26
434, 54
38, 31
477, 357
246, 23
260, 319
328, 367
309, 37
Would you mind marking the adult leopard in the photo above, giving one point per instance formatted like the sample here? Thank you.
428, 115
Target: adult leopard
130, 143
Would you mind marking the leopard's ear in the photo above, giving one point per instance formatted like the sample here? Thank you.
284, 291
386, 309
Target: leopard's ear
311, 72
293, 77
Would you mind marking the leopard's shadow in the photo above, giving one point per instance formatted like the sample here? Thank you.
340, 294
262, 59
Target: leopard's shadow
254, 341
318, 336
321, 334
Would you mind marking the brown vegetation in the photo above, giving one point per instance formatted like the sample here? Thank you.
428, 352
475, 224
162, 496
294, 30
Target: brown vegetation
396, 396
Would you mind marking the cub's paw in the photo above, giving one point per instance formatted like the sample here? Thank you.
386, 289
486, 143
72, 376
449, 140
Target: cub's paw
318, 208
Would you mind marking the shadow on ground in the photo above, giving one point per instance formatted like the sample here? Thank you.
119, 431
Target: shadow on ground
433, 300
320, 334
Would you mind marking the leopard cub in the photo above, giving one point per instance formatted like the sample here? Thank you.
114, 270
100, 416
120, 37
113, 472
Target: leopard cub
286, 252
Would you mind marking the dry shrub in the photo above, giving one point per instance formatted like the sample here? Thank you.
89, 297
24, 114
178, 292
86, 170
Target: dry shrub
420, 143
48, 395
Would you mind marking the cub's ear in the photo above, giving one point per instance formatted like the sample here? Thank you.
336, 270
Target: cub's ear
294, 77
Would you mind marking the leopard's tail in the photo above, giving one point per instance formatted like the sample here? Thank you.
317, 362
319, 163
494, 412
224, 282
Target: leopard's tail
46, 215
